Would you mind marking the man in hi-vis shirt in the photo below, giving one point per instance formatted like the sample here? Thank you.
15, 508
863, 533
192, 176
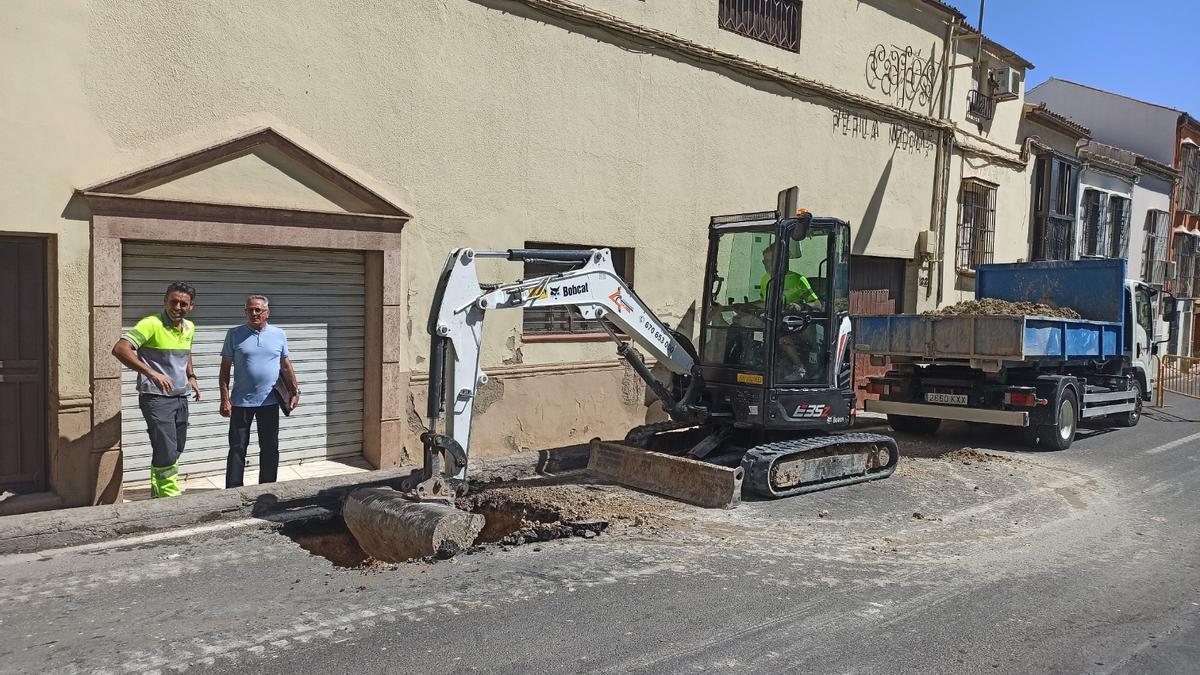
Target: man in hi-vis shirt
159, 349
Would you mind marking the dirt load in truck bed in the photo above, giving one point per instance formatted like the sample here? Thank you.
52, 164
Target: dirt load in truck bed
993, 307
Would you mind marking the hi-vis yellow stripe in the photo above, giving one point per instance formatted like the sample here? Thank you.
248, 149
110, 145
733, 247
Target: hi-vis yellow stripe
749, 378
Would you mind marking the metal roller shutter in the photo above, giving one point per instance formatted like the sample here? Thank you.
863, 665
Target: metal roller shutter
316, 297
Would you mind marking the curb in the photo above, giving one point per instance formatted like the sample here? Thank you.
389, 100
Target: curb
40, 531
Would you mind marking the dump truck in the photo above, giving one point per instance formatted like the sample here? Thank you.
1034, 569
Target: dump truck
1041, 374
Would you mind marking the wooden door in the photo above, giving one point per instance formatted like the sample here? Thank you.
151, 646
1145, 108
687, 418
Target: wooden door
876, 287
22, 365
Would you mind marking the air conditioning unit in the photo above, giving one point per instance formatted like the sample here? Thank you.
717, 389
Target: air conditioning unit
1006, 83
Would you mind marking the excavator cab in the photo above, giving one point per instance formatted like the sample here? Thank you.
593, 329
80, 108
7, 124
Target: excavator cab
774, 343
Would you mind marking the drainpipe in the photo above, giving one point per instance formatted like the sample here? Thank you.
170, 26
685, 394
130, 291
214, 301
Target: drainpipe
941, 171
979, 50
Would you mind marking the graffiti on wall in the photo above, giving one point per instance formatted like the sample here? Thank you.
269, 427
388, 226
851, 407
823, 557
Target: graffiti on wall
902, 74
907, 138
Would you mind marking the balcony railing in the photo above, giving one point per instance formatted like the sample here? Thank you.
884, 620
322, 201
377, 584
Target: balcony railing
980, 104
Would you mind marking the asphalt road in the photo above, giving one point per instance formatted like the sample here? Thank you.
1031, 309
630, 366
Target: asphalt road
1081, 561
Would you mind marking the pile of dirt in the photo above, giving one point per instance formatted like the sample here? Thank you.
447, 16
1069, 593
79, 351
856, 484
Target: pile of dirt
994, 307
519, 514
972, 456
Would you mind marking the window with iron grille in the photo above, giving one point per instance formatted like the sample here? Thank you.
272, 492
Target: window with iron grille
1154, 252
1055, 185
1189, 186
1118, 227
1095, 219
563, 320
976, 224
775, 22
1185, 266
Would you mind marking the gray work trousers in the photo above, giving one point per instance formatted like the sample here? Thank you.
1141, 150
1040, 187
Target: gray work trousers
167, 423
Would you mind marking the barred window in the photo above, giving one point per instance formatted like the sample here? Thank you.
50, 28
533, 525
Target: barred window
1189, 186
1154, 253
563, 320
1055, 185
1095, 217
775, 22
1185, 266
976, 224
1118, 227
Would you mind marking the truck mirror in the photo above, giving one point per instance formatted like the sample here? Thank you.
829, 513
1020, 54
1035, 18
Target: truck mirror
1168, 309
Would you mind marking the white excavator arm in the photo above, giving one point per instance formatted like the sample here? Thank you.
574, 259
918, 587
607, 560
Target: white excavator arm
456, 331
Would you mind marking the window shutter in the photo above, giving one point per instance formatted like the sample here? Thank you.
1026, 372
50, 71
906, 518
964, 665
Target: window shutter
1094, 239
1160, 249
1122, 221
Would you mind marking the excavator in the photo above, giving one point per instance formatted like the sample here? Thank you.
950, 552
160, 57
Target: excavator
758, 405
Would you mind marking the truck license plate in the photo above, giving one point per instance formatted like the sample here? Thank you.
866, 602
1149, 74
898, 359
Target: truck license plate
951, 399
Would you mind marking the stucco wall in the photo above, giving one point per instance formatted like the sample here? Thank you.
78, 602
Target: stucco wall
1144, 128
492, 123
479, 118
1011, 242
1149, 193
989, 150
44, 124
1053, 138
837, 41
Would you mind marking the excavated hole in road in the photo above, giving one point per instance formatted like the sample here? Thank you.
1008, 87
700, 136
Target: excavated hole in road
511, 521
329, 538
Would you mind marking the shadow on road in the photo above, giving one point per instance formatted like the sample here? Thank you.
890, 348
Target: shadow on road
1165, 415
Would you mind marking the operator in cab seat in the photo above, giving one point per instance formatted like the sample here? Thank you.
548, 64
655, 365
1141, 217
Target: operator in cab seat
799, 355
797, 291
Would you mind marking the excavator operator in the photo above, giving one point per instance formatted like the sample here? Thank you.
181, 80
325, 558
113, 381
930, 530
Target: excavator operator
797, 291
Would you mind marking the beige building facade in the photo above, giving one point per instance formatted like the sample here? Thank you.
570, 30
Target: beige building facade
361, 142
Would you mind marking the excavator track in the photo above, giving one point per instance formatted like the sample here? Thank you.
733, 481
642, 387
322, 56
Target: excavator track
797, 466
639, 437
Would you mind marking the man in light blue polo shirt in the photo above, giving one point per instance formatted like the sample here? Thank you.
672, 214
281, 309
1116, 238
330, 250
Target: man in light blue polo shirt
258, 355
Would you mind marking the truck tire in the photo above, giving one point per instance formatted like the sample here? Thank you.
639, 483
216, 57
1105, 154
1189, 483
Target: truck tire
1131, 418
1060, 434
924, 426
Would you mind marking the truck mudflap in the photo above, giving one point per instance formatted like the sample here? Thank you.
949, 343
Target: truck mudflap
693, 481
797, 466
1012, 418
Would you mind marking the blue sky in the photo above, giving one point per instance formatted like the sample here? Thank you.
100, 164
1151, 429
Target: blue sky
1138, 49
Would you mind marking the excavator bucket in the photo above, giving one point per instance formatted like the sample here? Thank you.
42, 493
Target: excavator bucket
688, 480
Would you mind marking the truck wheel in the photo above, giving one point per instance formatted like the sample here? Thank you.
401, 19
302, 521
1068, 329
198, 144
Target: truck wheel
925, 426
1061, 434
1131, 418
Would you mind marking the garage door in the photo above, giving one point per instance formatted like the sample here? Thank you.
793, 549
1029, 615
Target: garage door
316, 297
876, 287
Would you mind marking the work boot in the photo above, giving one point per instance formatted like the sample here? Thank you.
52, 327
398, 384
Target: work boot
164, 481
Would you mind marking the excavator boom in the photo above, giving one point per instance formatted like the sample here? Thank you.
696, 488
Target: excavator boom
592, 288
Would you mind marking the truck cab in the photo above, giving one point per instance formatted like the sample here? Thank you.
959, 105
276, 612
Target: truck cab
1142, 319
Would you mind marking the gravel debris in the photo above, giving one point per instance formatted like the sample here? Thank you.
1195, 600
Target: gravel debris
994, 307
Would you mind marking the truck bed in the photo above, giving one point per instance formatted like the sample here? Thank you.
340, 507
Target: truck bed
1093, 288
990, 343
